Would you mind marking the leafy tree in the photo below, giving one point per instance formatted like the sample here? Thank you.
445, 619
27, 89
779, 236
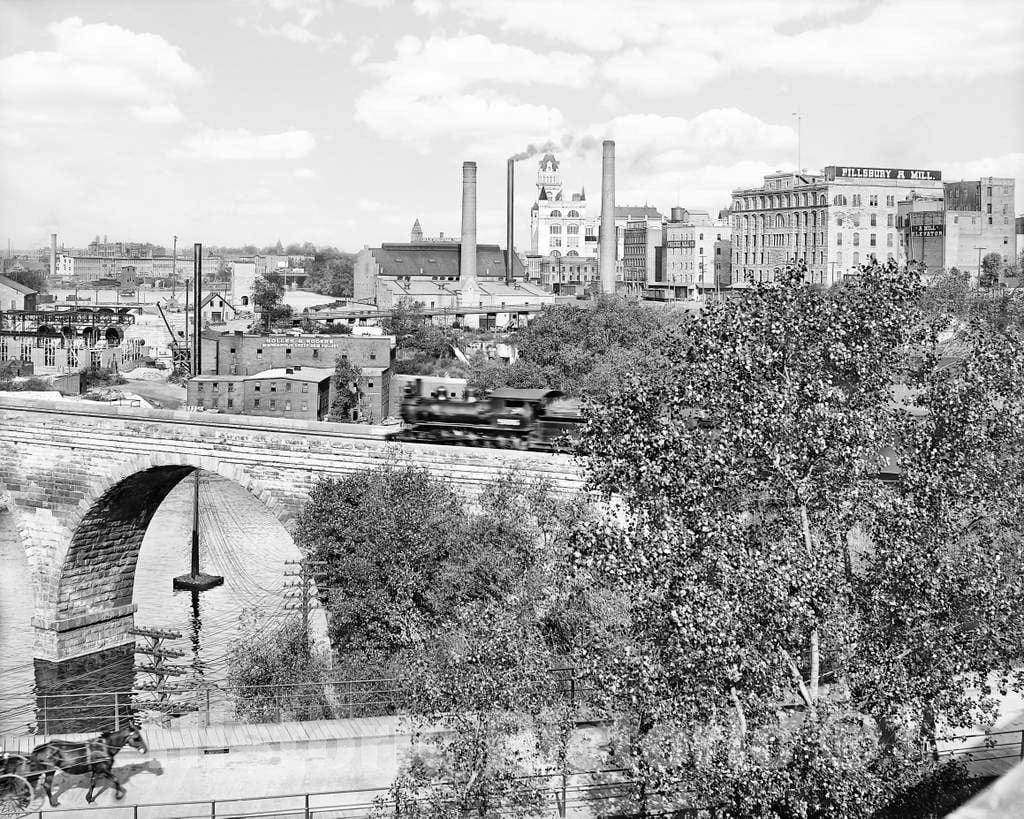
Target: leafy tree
784, 603
266, 670
268, 296
991, 266
585, 350
345, 389
383, 536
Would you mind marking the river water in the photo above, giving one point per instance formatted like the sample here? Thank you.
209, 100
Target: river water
240, 539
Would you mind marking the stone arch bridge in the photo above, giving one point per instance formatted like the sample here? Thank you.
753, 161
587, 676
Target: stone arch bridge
80, 484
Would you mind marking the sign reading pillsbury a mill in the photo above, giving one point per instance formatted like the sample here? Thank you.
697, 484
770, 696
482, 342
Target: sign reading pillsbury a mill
833, 172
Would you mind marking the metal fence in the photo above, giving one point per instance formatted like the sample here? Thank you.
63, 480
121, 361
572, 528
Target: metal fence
92, 712
576, 794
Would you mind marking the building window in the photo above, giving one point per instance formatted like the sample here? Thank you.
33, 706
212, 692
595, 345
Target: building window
200, 386
956, 220
316, 354
288, 352
888, 241
232, 350
571, 229
287, 406
273, 386
839, 200
231, 402
839, 239
988, 193
839, 259
259, 353
873, 240
556, 229
856, 200
839, 221
990, 220
273, 404
856, 258
873, 200
256, 388
305, 406
556, 213
305, 387
888, 220
573, 214
874, 220
890, 200
216, 386
287, 386
856, 240
256, 402
231, 387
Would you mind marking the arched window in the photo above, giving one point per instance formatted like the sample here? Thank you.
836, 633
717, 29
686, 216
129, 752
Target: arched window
572, 253
556, 213
856, 258
822, 200
573, 214
736, 204
555, 254
572, 228
556, 229
839, 200
788, 204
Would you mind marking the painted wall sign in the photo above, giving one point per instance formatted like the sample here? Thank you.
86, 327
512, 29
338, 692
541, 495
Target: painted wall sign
833, 172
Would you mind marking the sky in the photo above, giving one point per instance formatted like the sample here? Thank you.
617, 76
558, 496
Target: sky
339, 122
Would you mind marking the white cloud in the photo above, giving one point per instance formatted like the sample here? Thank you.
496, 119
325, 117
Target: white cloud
446, 86
268, 22
212, 144
157, 114
361, 53
93, 65
304, 173
660, 48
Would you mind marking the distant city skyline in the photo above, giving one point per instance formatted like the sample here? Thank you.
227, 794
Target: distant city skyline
341, 121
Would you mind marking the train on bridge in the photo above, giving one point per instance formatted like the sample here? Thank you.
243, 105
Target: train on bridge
538, 420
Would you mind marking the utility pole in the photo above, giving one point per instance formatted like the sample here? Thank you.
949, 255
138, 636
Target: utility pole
174, 269
299, 573
799, 117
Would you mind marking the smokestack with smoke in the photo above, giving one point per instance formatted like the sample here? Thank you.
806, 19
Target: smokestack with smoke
609, 243
510, 220
467, 248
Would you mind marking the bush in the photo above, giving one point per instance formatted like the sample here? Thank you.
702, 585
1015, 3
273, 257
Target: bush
101, 377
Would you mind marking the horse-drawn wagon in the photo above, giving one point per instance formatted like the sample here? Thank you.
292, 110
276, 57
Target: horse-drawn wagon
17, 786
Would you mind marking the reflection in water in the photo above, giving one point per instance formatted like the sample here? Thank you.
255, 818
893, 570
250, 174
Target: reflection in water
240, 539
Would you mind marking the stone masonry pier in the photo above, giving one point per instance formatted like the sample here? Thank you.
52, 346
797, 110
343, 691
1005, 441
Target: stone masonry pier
80, 483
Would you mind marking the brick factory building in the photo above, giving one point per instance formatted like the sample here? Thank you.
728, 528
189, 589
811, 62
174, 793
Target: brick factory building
240, 355
287, 392
833, 221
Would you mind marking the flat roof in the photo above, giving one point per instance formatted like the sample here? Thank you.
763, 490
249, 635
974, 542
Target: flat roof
300, 373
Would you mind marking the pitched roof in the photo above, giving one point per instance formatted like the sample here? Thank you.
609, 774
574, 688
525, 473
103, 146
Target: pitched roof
209, 297
16, 286
440, 259
636, 212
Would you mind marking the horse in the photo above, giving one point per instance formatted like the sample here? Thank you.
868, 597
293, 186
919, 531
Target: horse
94, 756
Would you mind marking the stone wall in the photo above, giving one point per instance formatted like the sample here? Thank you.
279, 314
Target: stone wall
82, 482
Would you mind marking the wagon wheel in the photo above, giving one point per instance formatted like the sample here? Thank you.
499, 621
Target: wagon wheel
17, 797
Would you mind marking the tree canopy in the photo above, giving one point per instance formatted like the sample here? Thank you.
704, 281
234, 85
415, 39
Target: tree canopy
783, 596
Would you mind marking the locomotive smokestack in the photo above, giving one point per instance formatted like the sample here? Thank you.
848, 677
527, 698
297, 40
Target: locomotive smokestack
467, 249
608, 238
510, 221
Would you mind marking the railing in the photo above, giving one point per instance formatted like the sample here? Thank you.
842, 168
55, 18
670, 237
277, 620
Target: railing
575, 793
92, 712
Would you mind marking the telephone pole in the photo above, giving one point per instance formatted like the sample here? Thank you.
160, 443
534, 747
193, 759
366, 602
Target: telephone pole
300, 590
174, 270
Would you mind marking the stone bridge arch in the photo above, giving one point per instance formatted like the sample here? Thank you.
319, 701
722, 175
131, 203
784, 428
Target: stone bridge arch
86, 603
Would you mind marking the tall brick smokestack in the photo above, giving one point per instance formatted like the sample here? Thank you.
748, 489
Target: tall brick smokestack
467, 250
510, 219
608, 238
53, 257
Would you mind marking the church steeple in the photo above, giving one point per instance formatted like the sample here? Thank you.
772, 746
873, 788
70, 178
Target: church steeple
417, 232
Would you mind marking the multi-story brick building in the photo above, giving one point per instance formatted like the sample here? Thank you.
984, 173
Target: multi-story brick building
962, 226
286, 392
833, 221
697, 256
242, 354
642, 248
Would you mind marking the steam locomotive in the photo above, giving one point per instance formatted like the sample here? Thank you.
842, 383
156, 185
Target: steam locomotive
542, 420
